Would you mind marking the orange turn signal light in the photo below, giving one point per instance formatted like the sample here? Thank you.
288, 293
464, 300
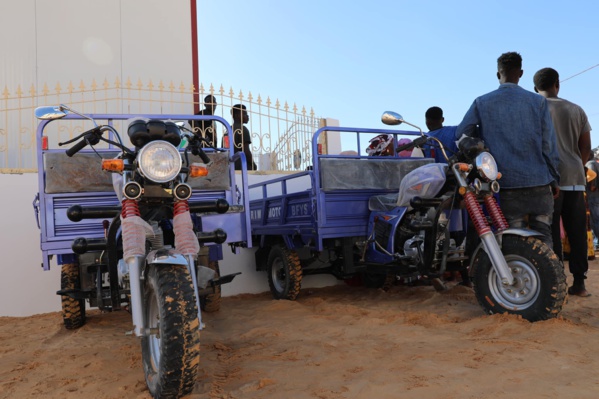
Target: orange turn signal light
113, 165
198, 171
464, 167
498, 176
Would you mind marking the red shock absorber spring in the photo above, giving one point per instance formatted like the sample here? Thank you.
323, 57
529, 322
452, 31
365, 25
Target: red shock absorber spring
129, 208
496, 214
476, 214
180, 207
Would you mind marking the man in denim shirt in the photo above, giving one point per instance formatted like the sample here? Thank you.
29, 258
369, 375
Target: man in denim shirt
516, 127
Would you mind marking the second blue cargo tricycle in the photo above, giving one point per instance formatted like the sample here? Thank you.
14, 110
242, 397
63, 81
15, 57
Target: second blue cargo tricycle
385, 218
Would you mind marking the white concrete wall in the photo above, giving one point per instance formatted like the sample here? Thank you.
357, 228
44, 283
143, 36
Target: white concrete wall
62, 41
25, 289
96, 56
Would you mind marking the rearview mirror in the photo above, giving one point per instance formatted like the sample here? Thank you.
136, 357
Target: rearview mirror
391, 118
50, 113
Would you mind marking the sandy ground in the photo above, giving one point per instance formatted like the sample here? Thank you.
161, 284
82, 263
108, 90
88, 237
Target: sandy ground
332, 343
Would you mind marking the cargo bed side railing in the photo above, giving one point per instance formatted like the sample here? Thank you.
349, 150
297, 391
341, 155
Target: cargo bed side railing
57, 232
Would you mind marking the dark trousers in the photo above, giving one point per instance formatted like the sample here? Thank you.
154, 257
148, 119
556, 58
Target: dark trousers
529, 207
572, 209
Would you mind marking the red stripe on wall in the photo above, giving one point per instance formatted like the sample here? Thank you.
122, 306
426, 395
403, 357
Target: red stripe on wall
194, 55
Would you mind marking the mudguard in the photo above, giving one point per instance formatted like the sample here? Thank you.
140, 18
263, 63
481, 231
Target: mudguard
512, 231
166, 256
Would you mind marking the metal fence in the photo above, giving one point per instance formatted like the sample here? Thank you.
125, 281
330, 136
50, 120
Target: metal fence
280, 133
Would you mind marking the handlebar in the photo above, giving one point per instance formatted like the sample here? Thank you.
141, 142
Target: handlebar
77, 147
199, 152
415, 143
89, 137
195, 146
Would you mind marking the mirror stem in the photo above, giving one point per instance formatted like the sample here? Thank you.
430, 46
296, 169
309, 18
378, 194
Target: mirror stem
408, 123
65, 108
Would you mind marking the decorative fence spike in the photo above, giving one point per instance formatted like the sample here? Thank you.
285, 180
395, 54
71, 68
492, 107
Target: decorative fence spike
276, 136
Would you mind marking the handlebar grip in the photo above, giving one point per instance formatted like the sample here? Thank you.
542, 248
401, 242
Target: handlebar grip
404, 147
415, 143
76, 148
202, 154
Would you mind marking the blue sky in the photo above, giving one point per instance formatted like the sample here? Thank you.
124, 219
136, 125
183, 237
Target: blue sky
353, 60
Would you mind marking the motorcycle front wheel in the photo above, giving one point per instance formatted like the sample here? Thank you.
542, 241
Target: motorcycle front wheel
171, 346
539, 289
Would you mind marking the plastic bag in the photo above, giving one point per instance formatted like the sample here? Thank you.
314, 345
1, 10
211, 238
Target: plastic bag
425, 181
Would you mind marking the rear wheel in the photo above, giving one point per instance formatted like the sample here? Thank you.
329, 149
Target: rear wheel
73, 310
284, 273
211, 302
539, 288
171, 350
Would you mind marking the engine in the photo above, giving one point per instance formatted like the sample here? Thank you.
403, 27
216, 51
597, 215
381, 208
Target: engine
408, 238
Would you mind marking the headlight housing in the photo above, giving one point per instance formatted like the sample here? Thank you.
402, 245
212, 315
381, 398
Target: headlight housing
159, 161
486, 166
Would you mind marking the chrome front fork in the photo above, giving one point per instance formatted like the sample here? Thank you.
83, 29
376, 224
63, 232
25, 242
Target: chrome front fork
135, 264
194, 279
490, 243
493, 249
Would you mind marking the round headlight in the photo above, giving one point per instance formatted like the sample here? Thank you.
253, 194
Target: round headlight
159, 161
486, 165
